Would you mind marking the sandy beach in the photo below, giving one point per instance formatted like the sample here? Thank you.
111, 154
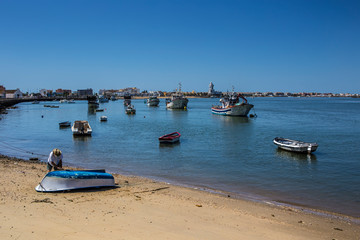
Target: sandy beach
140, 208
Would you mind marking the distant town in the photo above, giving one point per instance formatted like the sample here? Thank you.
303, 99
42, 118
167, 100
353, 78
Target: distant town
136, 92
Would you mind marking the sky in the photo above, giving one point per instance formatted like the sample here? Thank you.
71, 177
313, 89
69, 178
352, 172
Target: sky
251, 45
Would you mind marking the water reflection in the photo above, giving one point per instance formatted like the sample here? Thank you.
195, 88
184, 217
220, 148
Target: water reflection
231, 120
303, 157
80, 138
92, 109
169, 145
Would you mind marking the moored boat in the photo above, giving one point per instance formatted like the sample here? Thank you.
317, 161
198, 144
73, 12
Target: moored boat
152, 101
74, 179
170, 138
130, 109
231, 106
294, 145
81, 127
103, 118
127, 100
65, 124
177, 100
93, 100
103, 99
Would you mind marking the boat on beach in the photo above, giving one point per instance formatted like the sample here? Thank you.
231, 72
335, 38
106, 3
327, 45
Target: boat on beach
64, 180
65, 124
177, 100
295, 146
81, 128
152, 101
170, 138
231, 106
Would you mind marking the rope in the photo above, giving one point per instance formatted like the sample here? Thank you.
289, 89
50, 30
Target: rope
21, 150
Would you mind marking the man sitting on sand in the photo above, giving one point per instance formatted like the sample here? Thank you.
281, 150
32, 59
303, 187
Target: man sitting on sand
55, 160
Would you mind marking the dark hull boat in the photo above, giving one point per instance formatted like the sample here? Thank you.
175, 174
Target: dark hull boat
295, 146
73, 179
170, 138
65, 124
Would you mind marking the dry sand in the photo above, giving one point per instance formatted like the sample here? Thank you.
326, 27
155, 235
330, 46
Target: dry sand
144, 209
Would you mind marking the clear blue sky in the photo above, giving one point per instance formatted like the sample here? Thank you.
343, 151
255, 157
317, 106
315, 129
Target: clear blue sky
253, 45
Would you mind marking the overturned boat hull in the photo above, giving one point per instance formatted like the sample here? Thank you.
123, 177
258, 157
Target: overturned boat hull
72, 179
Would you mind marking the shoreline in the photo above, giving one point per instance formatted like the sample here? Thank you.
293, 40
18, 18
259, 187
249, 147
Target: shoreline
246, 196
141, 208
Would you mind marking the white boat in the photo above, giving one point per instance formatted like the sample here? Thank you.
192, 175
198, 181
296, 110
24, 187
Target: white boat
103, 118
63, 101
71, 101
81, 128
74, 179
152, 101
130, 109
177, 101
231, 106
294, 145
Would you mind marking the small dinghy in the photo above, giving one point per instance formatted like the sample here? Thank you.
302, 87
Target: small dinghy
294, 145
103, 118
170, 138
65, 124
75, 179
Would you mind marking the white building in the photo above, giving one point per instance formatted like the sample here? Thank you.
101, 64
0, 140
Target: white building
13, 93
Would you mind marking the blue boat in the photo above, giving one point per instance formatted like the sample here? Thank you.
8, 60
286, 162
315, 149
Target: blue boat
74, 179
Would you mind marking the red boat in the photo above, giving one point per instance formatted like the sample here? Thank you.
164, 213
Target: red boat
170, 138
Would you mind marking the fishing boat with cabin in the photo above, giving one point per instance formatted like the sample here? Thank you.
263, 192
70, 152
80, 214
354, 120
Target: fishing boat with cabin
177, 100
152, 101
231, 106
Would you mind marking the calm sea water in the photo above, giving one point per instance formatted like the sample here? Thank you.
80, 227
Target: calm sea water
224, 153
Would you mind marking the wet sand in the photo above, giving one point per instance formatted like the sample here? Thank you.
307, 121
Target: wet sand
140, 208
